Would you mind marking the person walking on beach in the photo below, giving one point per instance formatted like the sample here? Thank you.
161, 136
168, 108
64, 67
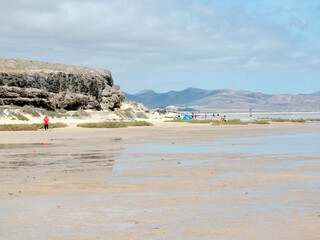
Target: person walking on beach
46, 123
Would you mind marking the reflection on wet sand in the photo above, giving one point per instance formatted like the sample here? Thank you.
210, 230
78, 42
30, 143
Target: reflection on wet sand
33, 162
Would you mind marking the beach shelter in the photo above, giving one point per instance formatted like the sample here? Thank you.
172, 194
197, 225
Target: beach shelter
186, 117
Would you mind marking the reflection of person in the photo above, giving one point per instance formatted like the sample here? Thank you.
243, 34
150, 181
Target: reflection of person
46, 123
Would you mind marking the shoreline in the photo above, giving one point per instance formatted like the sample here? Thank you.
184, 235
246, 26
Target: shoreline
181, 128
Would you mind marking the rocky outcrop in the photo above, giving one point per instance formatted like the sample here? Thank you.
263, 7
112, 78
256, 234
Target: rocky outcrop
57, 86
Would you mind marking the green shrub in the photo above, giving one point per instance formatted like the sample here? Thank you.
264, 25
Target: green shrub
280, 120
57, 125
29, 127
128, 113
62, 113
313, 119
120, 124
141, 115
20, 116
30, 110
260, 122
118, 113
216, 122
1, 112
234, 122
80, 114
51, 114
264, 118
18, 127
301, 120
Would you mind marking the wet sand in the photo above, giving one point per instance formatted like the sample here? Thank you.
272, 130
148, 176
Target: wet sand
170, 181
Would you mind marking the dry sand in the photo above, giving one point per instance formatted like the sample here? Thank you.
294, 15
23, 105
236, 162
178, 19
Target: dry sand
156, 183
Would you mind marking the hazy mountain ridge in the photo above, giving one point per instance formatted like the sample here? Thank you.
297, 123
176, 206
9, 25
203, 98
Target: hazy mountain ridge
228, 99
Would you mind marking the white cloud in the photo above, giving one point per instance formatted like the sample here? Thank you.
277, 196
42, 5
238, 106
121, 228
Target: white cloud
123, 35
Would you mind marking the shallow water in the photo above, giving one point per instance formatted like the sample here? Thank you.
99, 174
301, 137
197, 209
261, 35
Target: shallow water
283, 149
299, 143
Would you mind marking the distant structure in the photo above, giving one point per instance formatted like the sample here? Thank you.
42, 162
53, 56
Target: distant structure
57, 86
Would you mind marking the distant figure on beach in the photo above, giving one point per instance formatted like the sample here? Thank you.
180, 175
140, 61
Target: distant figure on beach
46, 123
205, 116
214, 115
192, 115
195, 115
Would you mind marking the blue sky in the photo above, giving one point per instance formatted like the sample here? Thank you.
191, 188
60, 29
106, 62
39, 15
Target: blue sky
265, 46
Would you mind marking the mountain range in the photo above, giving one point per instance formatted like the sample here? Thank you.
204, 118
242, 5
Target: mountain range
227, 100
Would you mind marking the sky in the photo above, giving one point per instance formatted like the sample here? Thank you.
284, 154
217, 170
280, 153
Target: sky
267, 46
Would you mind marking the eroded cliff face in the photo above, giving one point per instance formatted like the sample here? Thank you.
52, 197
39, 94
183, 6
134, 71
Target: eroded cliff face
57, 86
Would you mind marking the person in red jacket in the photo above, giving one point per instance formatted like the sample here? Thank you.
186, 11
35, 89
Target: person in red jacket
46, 123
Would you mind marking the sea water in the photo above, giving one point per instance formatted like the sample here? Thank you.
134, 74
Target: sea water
256, 116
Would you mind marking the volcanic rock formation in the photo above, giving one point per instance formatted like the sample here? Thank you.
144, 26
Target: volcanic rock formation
57, 86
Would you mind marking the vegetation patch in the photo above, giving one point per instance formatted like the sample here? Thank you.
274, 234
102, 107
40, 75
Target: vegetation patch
120, 124
141, 115
128, 113
280, 120
29, 127
31, 111
233, 122
118, 114
2, 112
81, 113
51, 114
301, 120
313, 119
261, 121
63, 113
20, 117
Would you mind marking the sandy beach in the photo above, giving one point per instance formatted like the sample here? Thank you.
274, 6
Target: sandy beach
169, 181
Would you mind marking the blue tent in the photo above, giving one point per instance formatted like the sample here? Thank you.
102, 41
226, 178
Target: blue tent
186, 117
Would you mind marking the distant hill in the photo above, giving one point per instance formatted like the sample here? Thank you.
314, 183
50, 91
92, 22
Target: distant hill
227, 100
